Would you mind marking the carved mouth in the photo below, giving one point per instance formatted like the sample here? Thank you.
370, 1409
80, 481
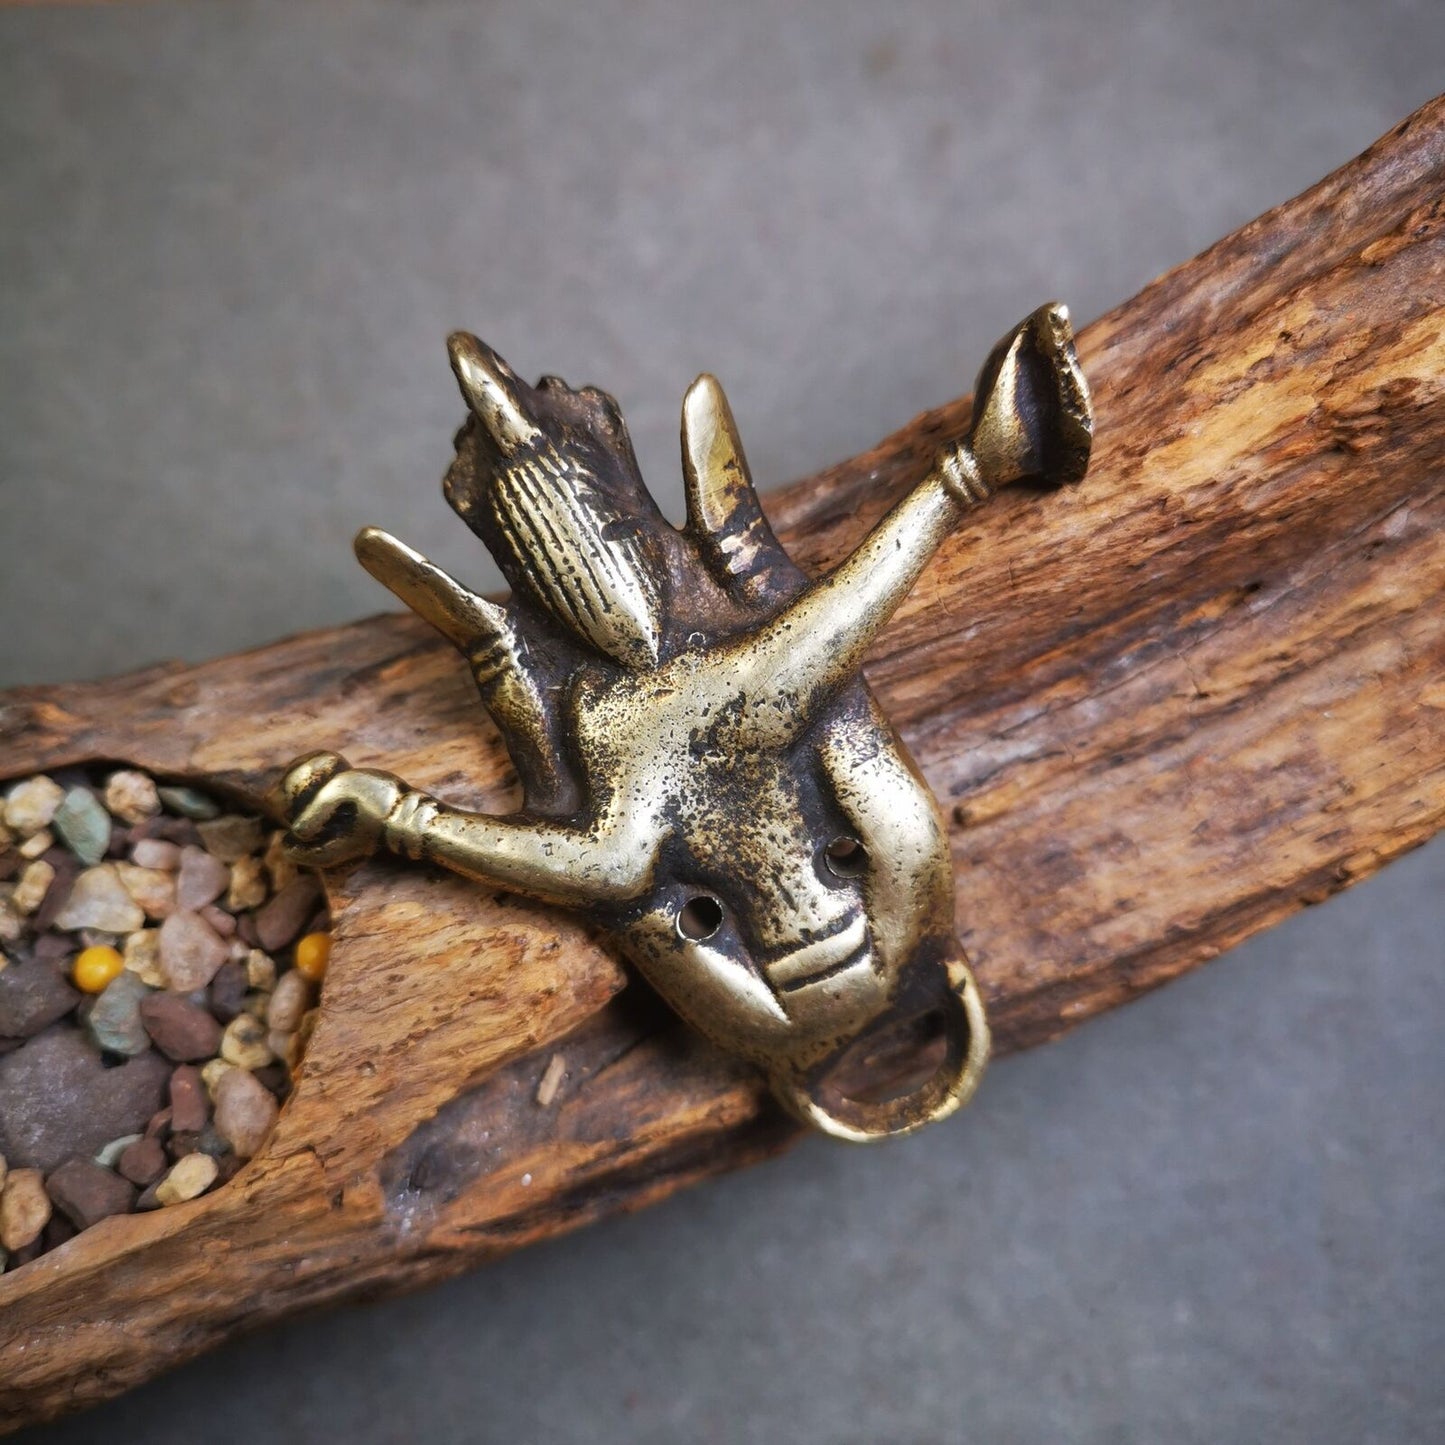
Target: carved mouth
822, 959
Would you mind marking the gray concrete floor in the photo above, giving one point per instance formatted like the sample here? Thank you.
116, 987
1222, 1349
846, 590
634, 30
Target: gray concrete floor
232, 238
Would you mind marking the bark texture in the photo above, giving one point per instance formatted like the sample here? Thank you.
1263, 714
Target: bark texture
1163, 712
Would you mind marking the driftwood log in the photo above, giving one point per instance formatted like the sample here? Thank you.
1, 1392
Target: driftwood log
1163, 712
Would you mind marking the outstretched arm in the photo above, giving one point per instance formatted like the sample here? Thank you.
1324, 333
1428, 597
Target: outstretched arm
339, 814
1032, 421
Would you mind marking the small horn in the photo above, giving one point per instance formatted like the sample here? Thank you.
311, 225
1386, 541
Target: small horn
724, 515
713, 466
491, 390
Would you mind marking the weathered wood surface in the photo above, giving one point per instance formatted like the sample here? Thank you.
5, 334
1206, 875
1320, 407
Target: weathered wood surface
1164, 711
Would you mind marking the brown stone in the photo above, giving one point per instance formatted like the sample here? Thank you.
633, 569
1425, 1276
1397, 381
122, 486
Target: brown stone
281, 920
58, 1098
228, 990
190, 1104
142, 1162
245, 1112
87, 1192
33, 994
180, 1029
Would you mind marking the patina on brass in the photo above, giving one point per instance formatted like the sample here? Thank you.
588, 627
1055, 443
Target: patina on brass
705, 773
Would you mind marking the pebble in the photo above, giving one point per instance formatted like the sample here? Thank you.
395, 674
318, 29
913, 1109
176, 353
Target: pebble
83, 825
313, 953
174, 919
67, 870
114, 1022
201, 879
142, 955
286, 1046
188, 1179
283, 918
181, 1030
4, 1170
212, 1072
24, 1208
282, 870
58, 1098
244, 1043
228, 991
190, 951
190, 1104
142, 1161
245, 1112
153, 888
188, 803
99, 899
248, 885
289, 1001
32, 886
29, 806
179, 1144
112, 1151
33, 994
260, 969
231, 837
96, 968
180, 831
156, 853
131, 796
85, 1192
219, 919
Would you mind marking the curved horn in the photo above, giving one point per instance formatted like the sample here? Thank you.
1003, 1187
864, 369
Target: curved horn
491, 390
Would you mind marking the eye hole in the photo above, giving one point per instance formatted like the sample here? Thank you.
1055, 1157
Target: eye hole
846, 858
700, 917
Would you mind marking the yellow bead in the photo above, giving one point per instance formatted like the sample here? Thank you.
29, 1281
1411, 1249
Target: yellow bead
312, 953
95, 967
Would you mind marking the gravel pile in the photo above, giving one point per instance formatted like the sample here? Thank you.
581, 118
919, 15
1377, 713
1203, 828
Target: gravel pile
161, 960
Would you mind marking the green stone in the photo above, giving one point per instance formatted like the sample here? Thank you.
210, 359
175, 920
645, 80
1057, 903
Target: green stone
188, 803
83, 825
115, 1022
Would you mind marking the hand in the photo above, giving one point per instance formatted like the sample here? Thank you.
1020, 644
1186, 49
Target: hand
335, 812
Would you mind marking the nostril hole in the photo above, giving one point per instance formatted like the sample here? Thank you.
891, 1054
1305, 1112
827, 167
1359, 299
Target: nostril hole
846, 857
700, 917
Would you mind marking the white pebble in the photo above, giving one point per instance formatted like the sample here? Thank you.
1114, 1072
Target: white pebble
32, 886
132, 796
189, 1177
29, 806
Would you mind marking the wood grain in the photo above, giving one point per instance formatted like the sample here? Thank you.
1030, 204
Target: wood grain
1163, 711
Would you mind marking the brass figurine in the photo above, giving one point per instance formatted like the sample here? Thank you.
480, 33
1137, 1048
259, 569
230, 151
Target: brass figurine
704, 770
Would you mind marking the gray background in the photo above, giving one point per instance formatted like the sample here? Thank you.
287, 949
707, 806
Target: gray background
233, 239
